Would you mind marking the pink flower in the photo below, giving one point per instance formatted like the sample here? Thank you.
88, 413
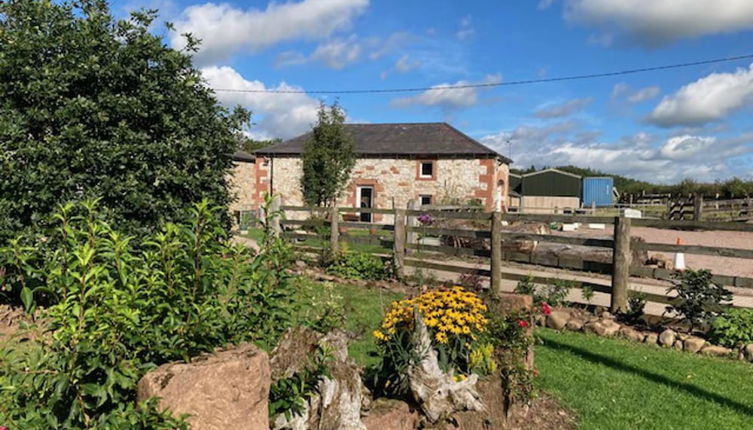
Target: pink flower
521, 323
4, 428
546, 309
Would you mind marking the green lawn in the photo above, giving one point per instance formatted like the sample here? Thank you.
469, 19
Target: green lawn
608, 383
369, 248
612, 383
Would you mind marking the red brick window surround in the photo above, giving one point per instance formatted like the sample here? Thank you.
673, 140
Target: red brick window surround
426, 170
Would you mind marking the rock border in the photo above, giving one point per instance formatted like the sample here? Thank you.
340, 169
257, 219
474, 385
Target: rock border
606, 325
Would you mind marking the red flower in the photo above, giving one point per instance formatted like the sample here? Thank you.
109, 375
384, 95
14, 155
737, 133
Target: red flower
523, 323
4, 428
546, 309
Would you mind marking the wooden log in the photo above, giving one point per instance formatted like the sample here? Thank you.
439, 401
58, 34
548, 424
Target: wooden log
496, 253
411, 221
399, 244
695, 249
334, 239
620, 264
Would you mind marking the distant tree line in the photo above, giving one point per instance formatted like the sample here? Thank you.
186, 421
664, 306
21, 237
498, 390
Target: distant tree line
730, 188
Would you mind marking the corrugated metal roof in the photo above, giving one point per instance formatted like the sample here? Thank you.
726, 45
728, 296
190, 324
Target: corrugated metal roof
399, 139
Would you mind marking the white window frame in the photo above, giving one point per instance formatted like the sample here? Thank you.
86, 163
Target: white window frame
421, 169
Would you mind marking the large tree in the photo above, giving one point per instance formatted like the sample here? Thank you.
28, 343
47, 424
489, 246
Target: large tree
327, 158
93, 106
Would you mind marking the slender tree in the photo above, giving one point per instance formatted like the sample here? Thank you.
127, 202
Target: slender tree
94, 106
328, 158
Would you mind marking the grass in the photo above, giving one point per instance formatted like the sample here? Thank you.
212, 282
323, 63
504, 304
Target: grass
369, 248
363, 308
611, 383
608, 383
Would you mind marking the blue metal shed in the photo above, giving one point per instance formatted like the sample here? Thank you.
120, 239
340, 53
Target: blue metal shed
598, 190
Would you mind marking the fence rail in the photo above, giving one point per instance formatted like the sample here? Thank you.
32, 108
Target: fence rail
407, 239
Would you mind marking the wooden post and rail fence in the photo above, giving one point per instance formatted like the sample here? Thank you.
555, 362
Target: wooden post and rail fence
401, 242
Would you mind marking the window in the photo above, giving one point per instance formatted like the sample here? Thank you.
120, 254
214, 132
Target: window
425, 199
427, 169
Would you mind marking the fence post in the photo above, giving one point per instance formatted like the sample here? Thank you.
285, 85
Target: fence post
621, 260
496, 254
697, 207
275, 215
399, 243
412, 222
334, 236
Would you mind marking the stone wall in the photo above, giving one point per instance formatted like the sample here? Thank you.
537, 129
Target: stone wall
397, 180
242, 182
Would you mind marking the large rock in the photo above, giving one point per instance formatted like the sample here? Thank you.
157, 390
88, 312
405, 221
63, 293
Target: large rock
226, 390
388, 414
337, 403
749, 352
602, 328
651, 338
694, 344
716, 351
435, 392
575, 324
632, 334
558, 319
667, 338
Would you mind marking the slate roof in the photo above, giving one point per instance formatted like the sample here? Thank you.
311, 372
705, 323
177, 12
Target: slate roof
243, 156
399, 139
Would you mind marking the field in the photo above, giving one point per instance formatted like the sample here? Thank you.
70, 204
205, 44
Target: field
607, 383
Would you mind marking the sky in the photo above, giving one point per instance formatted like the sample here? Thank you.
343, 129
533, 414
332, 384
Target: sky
661, 126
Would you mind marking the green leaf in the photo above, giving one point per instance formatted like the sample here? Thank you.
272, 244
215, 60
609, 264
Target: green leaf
27, 298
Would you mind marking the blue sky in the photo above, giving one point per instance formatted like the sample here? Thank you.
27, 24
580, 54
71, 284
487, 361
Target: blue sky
661, 126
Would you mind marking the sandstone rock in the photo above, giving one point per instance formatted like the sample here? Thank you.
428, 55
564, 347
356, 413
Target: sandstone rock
226, 390
632, 334
388, 414
337, 403
594, 327
575, 324
749, 352
651, 338
678, 345
436, 393
716, 351
606, 315
694, 344
602, 327
667, 338
557, 319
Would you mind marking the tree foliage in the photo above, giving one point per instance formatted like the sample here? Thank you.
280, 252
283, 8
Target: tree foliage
93, 106
124, 305
328, 158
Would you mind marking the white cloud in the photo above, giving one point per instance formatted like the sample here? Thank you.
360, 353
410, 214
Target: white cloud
634, 96
563, 109
338, 53
641, 156
658, 22
282, 115
290, 58
448, 98
686, 146
708, 99
225, 29
466, 28
403, 65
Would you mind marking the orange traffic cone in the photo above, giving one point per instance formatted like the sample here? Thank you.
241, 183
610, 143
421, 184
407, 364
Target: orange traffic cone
679, 261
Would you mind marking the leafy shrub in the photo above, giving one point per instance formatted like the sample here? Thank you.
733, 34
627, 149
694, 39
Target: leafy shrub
636, 307
327, 310
553, 294
699, 299
587, 292
733, 328
124, 306
358, 265
509, 335
471, 281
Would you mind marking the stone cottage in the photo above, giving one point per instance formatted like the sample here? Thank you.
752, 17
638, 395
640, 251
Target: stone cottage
432, 162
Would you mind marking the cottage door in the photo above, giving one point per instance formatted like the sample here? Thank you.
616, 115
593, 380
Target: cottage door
365, 200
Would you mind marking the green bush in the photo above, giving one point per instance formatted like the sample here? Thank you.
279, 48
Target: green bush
700, 300
97, 106
358, 265
554, 294
124, 305
733, 328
